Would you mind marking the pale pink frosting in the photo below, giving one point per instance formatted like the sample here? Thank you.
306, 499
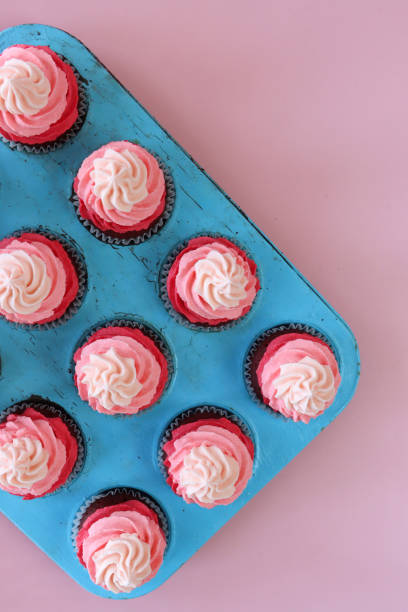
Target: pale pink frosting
117, 375
210, 466
120, 181
300, 379
215, 282
24, 88
32, 281
33, 91
208, 474
123, 564
123, 551
122, 184
31, 456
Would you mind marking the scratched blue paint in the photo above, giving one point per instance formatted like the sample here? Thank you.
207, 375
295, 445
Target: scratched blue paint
34, 190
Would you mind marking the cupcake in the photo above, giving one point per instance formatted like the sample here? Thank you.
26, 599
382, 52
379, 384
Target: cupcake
38, 280
211, 282
297, 375
121, 545
121, 190
208, 460
38, 95
38, 452
120, 370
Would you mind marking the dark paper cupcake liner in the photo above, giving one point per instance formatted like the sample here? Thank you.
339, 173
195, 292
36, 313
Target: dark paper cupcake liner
192, 415
135, 237
51, 410
146, 329
165, 269
78, 262
111, 497
256, 351
53, 145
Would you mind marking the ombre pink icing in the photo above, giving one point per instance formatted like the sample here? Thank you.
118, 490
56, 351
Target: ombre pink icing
37, 279
37, 454
38, 94
119, 370
298, 376
212, 281
121, 188
121, 546
209, 462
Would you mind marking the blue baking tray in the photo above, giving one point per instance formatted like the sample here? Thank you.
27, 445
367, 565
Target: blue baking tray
208, 367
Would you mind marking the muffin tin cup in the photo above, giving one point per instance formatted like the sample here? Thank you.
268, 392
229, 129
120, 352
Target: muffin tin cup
257, 349
135, 237
52, 410
78, 262
49, 147
196, 414
146, 329
165, 269
111, 497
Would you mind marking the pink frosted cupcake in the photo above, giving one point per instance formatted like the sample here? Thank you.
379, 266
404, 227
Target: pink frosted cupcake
211, 282
208, 460
38, 280
121, 192
120, 370
38, 95
38, 452
121, 545
297, 375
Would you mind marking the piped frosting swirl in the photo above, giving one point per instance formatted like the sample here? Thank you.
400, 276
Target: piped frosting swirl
37, 279
120, 370
37, 454
121, 188
208, 474
24, 88
23, 463
123, 564
209, 461
121, 546
298, 376
119, 180
38, 94
212, 281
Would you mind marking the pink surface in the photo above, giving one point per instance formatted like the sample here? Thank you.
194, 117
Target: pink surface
299, 110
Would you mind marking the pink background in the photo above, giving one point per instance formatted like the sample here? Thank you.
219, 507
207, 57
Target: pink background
299, 110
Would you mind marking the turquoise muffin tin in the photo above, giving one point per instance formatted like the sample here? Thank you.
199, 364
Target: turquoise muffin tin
124, 281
